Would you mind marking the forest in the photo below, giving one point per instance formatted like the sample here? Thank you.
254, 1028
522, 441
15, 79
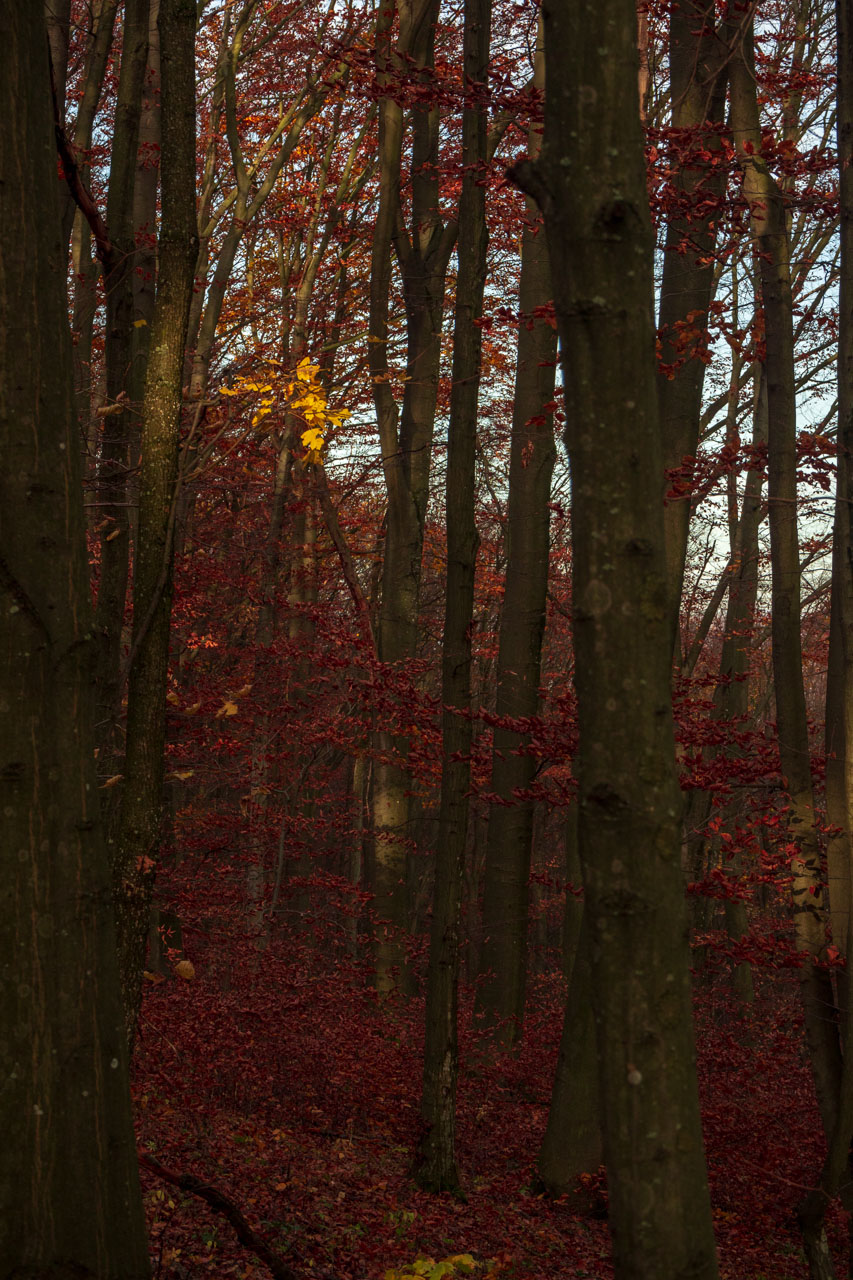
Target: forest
426, 655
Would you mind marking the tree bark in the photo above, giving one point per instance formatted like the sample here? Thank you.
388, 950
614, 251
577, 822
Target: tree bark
70, 1202
732, 695
698, 88
97, 56
839, 764
58, 18
405, 434
503, 965
121, 423
592, 185
136, 851
438, 1170
836, 1172
572, 1144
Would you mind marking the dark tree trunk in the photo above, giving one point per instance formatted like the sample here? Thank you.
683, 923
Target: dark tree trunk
405, 434
121, 421
839, 764
437, 1169
732, 695
572, 1143
697, 65
836, 1172
591, 183
505, 898
70, 1202
139, 829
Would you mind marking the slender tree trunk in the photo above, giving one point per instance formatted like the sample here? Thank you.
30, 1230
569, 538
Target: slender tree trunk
839, 790
97, 56
505, 898
591, 184
58, 17
70, 1202
770, 233
438, 1170
145, 187
732, 696
136, 852
301, 600
121, 421
839, 764
839, 848
405, 437
697, 65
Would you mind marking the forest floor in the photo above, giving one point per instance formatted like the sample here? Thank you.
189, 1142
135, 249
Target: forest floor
281, 1081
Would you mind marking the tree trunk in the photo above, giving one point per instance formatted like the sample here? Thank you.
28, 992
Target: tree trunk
697, 68
58, 17
438, 1170
70, 1202
592, 185
836, 1172
121, 423
97, 57
500, 997
572, 1143
770, 234
732, 696
405, 436
136, 851
839, 764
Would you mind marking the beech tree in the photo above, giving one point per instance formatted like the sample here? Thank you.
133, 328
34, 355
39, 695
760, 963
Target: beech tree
503, 964
70, 1201
360, 725
406, 430
141, 801
591, 185
698, 63
441, 1064
839, 721
125, 375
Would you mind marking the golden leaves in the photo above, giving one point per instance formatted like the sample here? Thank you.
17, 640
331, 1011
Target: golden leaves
299, 394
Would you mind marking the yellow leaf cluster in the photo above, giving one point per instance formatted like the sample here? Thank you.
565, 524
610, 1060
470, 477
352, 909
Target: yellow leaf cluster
302, 394
313, 441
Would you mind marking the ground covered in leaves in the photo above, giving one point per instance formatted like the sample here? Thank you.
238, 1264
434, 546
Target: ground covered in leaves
281, 1081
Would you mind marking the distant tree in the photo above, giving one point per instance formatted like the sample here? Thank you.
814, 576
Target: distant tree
769, 229
70, 1202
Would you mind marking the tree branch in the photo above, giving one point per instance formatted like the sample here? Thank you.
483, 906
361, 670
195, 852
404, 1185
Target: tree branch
222, 1204
80, 193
